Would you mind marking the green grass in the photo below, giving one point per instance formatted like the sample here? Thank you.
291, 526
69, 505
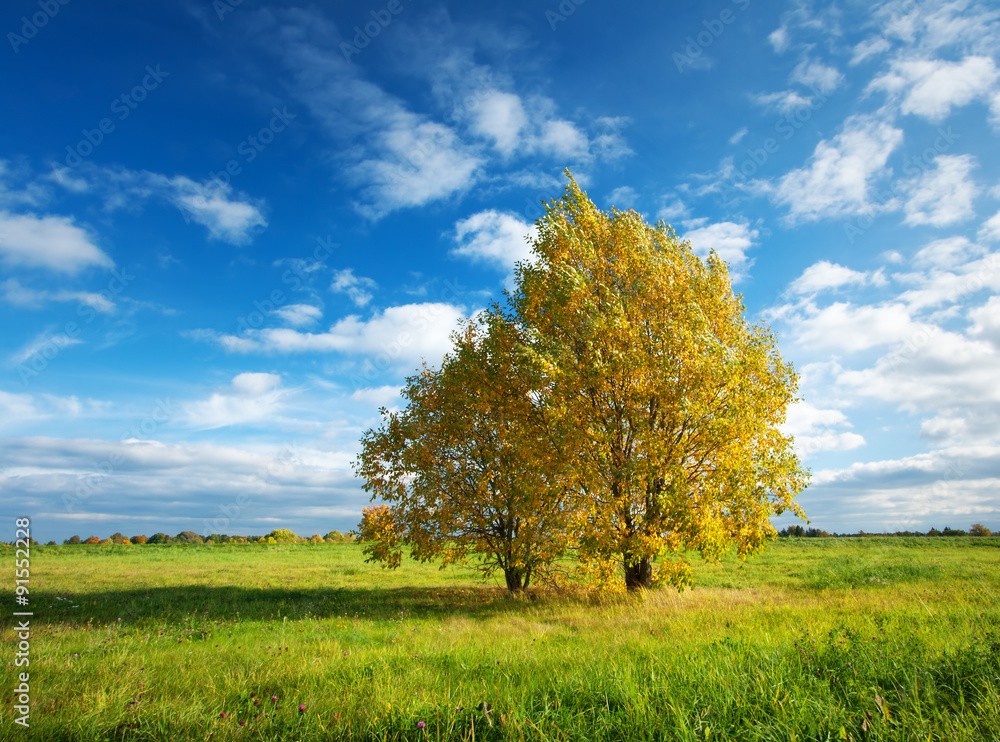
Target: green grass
863, 639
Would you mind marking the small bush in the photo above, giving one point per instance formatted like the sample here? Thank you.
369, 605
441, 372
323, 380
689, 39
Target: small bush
140, 539
188, 537
72, 540
160, 538
315, 539
92, 540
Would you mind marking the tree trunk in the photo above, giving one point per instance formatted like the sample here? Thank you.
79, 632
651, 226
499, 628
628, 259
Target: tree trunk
517, 579
638, 573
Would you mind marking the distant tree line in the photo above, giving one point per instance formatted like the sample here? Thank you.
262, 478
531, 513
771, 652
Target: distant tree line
976, 529
279, 536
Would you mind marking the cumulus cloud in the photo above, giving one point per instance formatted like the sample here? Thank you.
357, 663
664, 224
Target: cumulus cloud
729, 239
838, 176
53, 243
931, 88
252, 399
495, 237
185, 486
398, 337
825, 275
299, 315
816, 430
943, 195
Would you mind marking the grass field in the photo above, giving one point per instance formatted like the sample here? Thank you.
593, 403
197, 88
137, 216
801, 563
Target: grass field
815, 639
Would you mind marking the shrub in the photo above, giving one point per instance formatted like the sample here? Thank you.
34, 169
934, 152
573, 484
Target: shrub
336, 537
51, 543
978, 529
282, 536
92, 540
140, 539
315, 539
160, 538
188, 537
72, 540
119, 538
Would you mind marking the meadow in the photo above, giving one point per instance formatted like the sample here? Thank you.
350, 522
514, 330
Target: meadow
814, 639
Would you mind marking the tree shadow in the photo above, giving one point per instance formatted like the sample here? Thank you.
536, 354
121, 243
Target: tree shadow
175, 604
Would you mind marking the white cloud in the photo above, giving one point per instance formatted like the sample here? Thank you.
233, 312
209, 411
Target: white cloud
940, 488
358, 288
299, 315
212, 205
23, 296
253, 399
871, 47
779, 39
672, 209
397, 337
188, 486
44, 344
931, 88
990, 231
737, 137
837, 178
228, 216
944, 195
501, 117
816, 76
494, 237
849, 328
380, 395
784, 101
729, 239
826, 275
623, 197
51, 242
813, 429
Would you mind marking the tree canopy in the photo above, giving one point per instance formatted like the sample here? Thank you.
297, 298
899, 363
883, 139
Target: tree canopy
620, 405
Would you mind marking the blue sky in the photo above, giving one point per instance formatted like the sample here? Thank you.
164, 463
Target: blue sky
228, 231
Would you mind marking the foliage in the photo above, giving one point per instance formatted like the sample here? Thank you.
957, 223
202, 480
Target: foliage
160, 538
282, 536
188, 537
667, 400
92, 540
140, 539
469, 466
72, 540
978, 529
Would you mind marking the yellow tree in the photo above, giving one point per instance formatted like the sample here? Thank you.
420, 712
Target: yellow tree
468, 467
669, 402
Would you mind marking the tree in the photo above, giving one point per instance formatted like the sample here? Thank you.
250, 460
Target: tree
667, 401
469, 466
160, 538
978, 529
92, 540
140, 539
188, 537
72, 540
282, 536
